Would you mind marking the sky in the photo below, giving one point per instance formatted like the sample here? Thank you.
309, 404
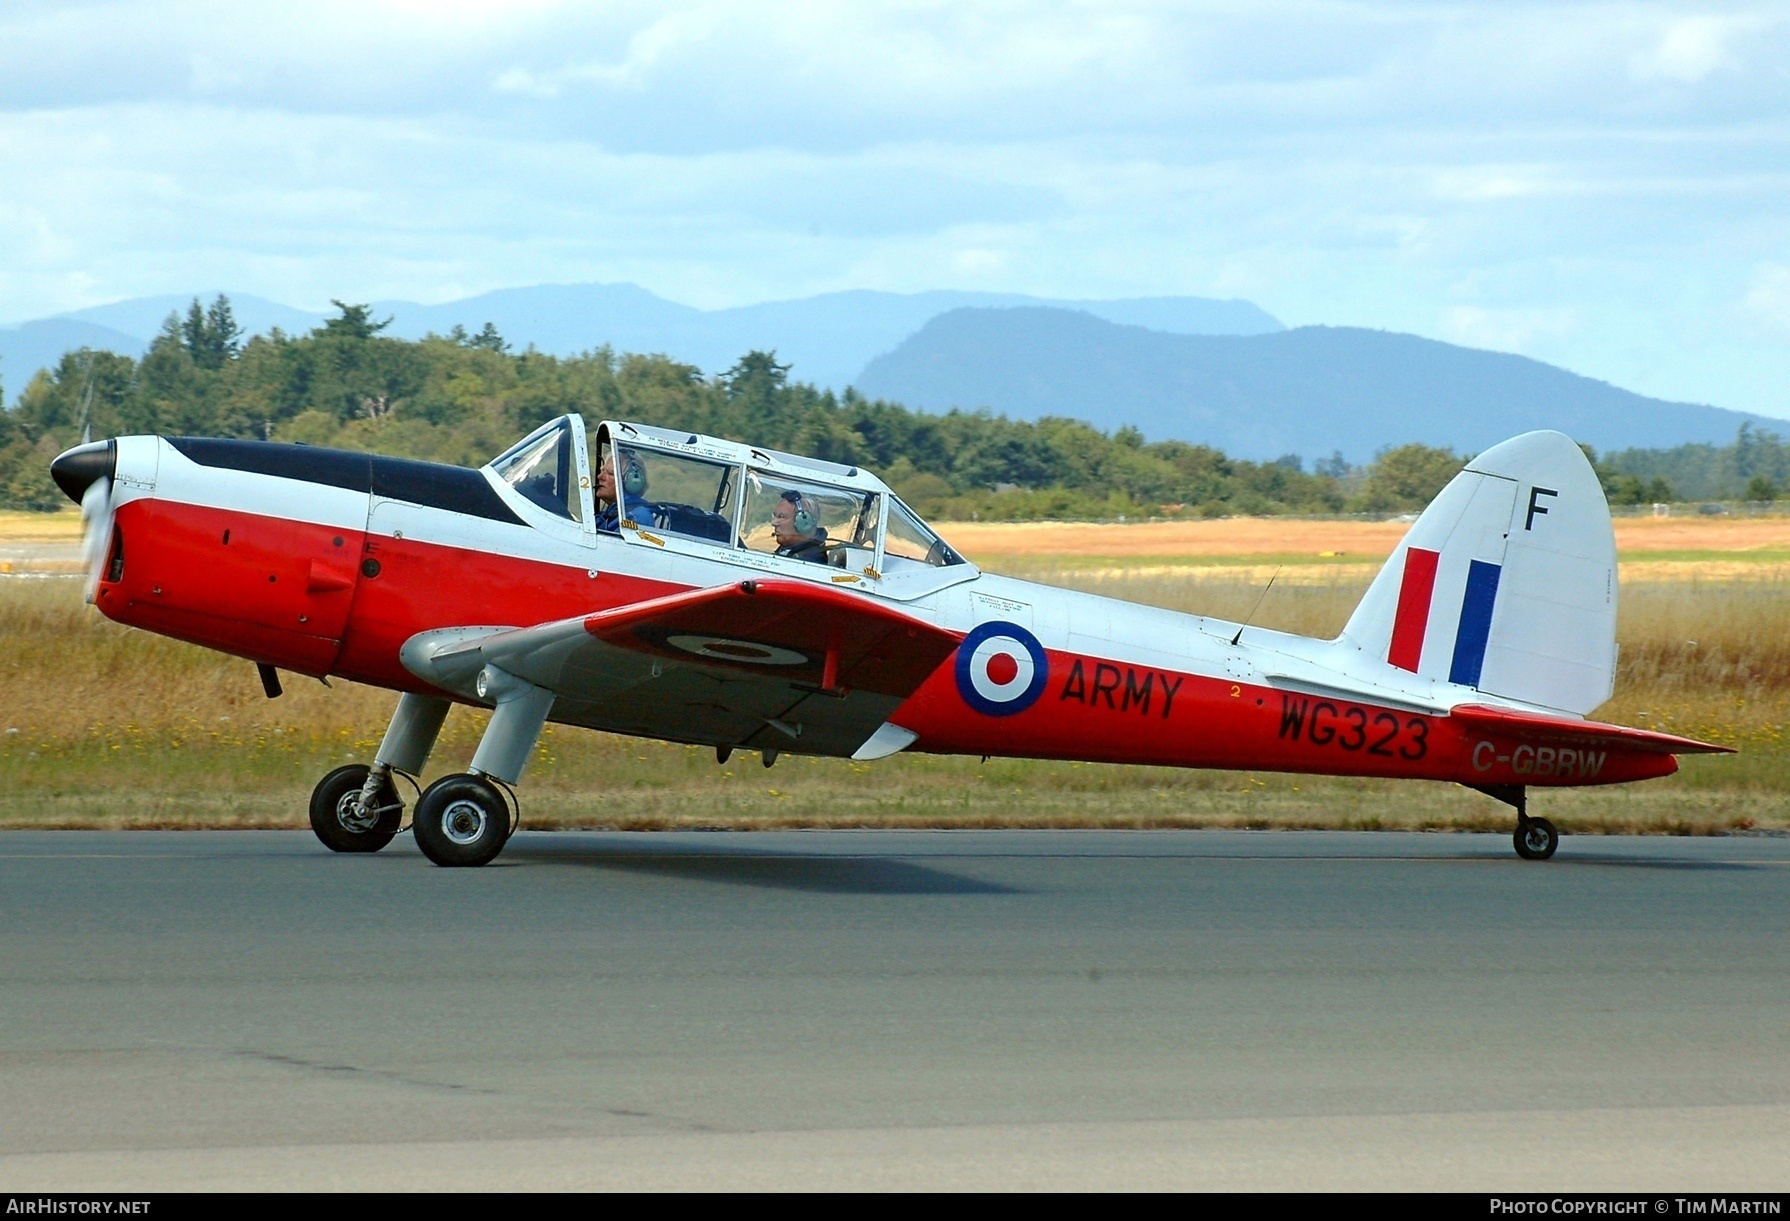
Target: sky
1602, 186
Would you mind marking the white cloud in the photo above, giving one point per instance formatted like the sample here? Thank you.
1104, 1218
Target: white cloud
646, 49
1768, 300
1485, 183
1688, 50
1508, 330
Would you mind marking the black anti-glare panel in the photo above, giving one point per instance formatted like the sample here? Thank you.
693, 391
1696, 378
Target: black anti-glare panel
455, 488
437, 485
338, 468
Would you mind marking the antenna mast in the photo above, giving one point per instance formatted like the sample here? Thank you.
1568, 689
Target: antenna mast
1258, 603
87, 399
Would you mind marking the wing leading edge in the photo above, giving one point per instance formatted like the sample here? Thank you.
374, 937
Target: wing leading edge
775, 665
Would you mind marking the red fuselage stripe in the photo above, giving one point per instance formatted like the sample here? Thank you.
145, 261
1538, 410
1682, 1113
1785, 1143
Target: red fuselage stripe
1412, 620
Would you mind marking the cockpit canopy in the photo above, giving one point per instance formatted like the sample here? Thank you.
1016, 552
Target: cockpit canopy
634, 478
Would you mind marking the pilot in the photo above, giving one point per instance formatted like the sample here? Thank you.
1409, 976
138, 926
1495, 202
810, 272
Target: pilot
795, 521
633, 490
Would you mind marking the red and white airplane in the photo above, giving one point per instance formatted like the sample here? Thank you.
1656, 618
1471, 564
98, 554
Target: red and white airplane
743, 598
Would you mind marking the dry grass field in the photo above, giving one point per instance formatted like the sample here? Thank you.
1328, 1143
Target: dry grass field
41, 527
104, 726
1298, 540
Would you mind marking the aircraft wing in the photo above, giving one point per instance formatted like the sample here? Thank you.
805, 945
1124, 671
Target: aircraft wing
778, 665
1563, 731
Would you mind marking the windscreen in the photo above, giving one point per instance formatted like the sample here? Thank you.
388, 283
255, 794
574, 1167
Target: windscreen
543, 469
910, 541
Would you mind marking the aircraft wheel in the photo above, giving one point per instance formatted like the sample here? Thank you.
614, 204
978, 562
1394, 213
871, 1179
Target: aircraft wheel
336, 816
461, 820
1536, 839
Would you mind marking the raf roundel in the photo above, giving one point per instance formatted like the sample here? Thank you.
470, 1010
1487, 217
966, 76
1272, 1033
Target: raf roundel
1001, 669
747, 651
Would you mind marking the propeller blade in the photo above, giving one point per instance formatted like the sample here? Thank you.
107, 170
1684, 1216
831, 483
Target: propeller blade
96, 539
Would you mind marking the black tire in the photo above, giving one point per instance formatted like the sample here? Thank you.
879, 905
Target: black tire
461, 821
337, 822
1536, 839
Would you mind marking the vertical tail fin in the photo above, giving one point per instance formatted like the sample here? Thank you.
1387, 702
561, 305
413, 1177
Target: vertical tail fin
1506, 584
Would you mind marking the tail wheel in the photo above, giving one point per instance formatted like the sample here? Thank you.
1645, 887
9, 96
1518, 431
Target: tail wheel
461, 820
1536, 839
339, 821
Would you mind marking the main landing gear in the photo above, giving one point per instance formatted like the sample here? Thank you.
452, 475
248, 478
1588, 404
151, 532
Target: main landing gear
462, 819
1535, 838
343, 822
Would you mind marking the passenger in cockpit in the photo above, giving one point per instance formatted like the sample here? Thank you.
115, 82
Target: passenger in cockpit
633, 489
795, 521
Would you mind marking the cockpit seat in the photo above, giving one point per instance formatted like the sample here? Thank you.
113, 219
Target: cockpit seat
543, 489
691, 522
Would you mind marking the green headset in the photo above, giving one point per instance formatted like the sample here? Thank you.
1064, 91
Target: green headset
803, 521
633, 474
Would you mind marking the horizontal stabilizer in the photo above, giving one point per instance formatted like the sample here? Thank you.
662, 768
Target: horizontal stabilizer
1559, 730
1339, 688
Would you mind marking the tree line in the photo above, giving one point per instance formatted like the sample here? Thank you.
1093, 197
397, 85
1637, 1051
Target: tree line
1756, 467
463, 397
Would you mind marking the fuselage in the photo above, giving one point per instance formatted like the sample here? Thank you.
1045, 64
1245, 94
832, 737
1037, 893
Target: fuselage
327, 563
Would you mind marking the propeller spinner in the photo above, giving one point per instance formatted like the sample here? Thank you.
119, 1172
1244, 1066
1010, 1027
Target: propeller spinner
85, 475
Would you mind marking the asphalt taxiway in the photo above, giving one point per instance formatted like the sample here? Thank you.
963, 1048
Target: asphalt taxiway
956, 1009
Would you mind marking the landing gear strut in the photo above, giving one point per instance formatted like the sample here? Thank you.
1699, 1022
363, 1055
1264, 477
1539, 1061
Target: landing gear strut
464, 819
1535, 838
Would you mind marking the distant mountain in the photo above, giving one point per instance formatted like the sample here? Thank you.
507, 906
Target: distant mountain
829, 338
1310, 391
826, 338
142, 317
39, 345
125, 327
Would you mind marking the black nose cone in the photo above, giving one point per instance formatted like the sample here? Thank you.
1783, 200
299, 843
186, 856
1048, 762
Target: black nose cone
75, 470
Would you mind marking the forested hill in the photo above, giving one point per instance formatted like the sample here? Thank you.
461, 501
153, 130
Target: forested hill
463, 398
